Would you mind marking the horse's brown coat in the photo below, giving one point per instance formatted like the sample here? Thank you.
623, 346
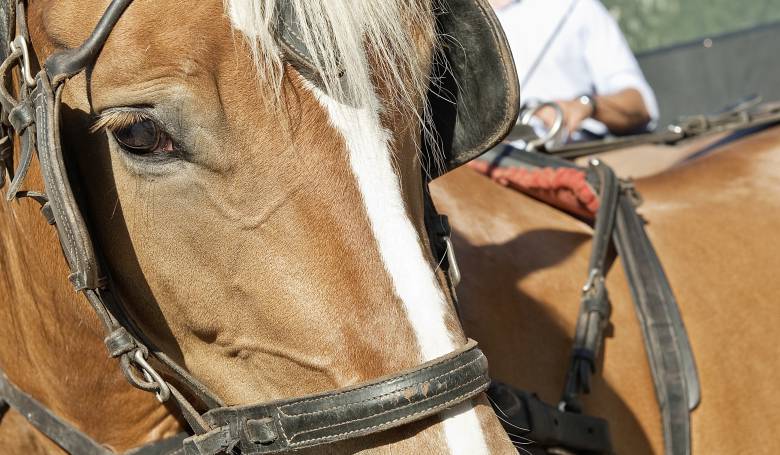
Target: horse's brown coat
713, 221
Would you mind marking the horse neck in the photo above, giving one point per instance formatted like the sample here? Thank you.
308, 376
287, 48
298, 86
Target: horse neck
51, 341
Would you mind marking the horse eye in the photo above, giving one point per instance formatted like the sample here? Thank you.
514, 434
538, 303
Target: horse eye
140, 138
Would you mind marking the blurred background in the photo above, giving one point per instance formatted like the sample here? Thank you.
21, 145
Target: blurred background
700, 55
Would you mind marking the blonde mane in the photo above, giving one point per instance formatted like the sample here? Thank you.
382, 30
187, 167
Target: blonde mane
338, 33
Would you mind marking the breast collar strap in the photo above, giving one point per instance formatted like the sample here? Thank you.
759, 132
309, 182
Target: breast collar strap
254, 429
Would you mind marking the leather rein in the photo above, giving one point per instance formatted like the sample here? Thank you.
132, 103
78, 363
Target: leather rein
272, 427
748, 114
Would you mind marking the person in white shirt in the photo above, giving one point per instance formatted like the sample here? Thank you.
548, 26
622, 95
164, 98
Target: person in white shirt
573, 52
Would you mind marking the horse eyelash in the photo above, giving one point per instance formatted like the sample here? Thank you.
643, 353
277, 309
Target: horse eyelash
116, 120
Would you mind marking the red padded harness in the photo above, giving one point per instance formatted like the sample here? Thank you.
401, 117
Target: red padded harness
563, 188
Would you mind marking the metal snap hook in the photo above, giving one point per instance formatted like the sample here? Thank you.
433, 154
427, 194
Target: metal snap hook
164, 392
19, 43
552, 133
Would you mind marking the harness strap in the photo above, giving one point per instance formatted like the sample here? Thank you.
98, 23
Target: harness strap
169, 446
595, 307
440, 237
64, 434
72, 440
127, 337
530, 421
666, 341
668, 349
62, 65
347, 413
746, 116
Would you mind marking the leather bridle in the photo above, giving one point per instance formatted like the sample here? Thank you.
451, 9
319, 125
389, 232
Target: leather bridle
271, 427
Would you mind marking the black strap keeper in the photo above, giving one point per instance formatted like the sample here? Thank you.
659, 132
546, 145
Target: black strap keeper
21, 116
549, 427
441, 226
441, 230
598, 304
119, 342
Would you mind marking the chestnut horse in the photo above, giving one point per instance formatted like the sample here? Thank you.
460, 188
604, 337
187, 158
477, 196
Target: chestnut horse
713, 213
267, 234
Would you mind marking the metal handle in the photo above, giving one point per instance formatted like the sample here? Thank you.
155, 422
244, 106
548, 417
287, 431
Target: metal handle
552, 133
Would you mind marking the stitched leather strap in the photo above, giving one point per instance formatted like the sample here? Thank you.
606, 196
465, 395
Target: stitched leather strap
347, 413
595, 307
540, 426
61, 432
73, 233
169, 446
67, 63
64, 434
671, 358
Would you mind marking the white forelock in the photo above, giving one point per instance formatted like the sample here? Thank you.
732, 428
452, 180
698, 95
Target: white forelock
337, 33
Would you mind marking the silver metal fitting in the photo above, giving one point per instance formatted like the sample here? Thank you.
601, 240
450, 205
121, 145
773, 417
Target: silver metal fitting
20, 44
163, 391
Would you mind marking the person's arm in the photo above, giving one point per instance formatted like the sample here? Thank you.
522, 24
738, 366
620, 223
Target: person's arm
624, 101
622, 112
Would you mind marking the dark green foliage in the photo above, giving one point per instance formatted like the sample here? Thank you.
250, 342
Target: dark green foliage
649, 24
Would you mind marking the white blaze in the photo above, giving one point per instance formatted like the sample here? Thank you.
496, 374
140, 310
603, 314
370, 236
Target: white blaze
399, 246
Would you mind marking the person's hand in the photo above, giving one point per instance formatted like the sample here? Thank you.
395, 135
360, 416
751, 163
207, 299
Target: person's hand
574, 113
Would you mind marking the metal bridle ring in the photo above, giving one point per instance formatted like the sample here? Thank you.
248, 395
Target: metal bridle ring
19, 43
552, 133
164, 392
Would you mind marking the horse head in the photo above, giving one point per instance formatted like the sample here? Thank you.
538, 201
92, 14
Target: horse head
253, 178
